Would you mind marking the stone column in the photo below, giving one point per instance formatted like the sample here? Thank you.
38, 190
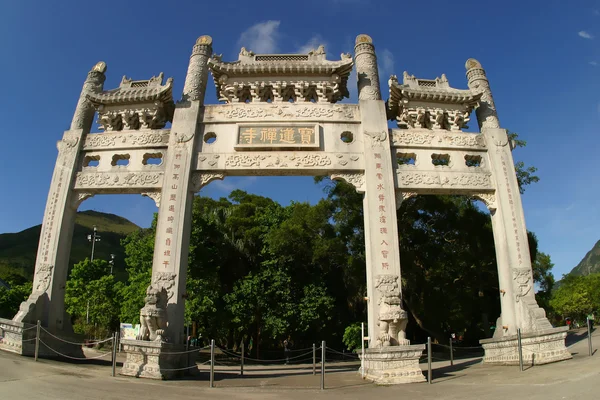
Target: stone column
519, 307
366, 69
169, 268
390, 359
46, 302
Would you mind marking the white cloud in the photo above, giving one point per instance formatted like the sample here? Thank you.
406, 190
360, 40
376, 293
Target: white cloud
387, 63
312, 44
261, 38
596, 12
585, 35
594, 63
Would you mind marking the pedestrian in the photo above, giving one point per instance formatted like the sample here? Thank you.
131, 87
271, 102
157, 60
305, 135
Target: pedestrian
286, 350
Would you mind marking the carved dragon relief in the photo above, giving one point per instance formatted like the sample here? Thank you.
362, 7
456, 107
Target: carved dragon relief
522, 278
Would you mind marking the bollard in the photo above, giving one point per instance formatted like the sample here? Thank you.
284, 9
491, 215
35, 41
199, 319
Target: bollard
37, 339
362, 344
451, 353
242, 360
520, 349
114, 354
314, 359
589, 326
429, 359
212, 363
323, 347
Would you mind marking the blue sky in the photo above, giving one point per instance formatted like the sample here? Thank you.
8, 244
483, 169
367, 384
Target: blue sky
542, 59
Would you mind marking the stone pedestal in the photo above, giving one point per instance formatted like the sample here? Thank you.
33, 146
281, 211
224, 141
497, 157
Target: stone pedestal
541, 347
394, 364
157, 360
19, 338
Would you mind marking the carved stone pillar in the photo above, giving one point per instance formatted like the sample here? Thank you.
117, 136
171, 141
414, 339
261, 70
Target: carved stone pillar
173, 228
197, 74
46, 302
83, 117
390, 358
519, 307
366, 69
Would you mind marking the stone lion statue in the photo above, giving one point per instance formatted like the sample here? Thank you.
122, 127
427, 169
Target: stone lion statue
392, 318
153, 316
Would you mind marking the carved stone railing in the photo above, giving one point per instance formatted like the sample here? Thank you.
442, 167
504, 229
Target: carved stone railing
431, 139
127, 139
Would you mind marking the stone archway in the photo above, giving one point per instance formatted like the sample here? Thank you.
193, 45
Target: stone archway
280, 117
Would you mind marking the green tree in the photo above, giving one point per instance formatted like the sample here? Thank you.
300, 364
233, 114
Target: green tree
577, 296
91, 298
11, 299
525, 175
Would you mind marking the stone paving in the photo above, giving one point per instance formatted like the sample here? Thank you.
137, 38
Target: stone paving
22, 378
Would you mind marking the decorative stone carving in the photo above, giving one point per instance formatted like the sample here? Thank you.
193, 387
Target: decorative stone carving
183, 137
429, 104
201, 179
42, 279
156, 196
523, 286
377, 138
401, 196
467, 140
409, 178
304, 160
408, 138
145, 104
392, 318
165, 280
153, 316
248, 79
79, 198
344, 159
109, 179
141, 139
84, 113
285, 111
489, 199
478, 82
366, 69
355, 179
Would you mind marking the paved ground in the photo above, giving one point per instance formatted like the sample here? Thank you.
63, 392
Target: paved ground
22, 378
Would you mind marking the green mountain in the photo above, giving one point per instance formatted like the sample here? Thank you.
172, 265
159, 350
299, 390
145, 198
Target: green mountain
590, 263
18, 250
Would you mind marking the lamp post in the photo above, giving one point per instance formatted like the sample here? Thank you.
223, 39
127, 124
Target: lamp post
112, 263
93, 238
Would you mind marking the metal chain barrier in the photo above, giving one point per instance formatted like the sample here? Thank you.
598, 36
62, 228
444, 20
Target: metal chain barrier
74, 358
76, 343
